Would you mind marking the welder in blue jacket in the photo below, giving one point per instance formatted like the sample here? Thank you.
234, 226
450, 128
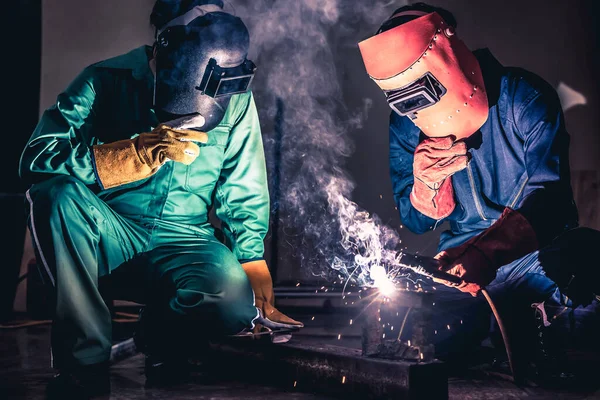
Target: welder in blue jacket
483, 147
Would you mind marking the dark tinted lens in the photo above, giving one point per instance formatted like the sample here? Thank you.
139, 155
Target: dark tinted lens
233, 85
405, 106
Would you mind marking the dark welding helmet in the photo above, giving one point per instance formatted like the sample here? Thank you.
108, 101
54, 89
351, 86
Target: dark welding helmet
200, 63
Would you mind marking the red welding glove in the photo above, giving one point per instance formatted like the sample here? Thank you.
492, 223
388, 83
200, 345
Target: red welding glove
436, 159
264, 298
476, 260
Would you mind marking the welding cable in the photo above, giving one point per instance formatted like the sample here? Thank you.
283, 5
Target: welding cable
24, 324
504, 334
429, 266
130, 315
28, 324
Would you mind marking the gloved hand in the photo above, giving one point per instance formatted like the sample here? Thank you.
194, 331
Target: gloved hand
476, 260
264, 298
435, 160
131, 160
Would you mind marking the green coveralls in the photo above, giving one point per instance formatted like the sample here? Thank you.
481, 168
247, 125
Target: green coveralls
151, 239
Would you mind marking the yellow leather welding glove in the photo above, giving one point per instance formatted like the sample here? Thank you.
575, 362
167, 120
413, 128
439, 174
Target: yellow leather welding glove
264, 298
131, 160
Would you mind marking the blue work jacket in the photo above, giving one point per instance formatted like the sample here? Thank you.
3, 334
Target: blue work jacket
519, 159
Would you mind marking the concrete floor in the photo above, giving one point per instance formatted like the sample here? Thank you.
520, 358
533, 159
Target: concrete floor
25, 370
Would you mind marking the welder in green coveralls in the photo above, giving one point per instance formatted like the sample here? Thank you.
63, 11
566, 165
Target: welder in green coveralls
124, 171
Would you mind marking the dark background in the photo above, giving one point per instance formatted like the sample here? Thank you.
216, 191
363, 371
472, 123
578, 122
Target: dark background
46, 43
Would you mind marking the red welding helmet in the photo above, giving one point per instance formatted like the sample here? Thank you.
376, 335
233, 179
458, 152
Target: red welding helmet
428, 75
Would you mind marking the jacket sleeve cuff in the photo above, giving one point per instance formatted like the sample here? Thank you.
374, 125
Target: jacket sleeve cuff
434, 204
98, 181
247, 260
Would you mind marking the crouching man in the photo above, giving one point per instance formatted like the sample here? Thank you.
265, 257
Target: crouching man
124, 170
483, 147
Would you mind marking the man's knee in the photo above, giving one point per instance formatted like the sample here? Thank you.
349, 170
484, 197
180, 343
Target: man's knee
236, 309
56, 192
225, 296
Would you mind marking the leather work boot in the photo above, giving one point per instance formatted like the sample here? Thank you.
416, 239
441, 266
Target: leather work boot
171, 355
549, 358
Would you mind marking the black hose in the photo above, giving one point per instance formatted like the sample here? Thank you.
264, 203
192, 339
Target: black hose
504, 334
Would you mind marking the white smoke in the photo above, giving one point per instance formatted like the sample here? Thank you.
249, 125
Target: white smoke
295, 44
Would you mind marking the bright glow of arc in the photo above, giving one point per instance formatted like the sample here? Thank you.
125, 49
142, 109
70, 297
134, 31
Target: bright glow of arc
381, 281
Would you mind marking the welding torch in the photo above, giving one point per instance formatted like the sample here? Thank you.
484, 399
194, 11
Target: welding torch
431, 267
427, 266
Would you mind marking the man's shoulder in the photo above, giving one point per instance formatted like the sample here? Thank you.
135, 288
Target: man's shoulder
130, 60
510, 86
129, 66
520, 87
238, 106
242, 100
133, 64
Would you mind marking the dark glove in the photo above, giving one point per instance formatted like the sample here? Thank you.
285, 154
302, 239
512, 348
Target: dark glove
477, 260
435, 161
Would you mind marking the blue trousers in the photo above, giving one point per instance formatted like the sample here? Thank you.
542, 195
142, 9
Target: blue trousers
460, 321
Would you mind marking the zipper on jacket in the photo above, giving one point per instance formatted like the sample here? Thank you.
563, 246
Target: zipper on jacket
512, 204
474, 193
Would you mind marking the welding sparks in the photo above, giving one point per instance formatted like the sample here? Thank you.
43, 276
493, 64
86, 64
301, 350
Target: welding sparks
362, 240
382, 281
339, 336
344, 379
295, 383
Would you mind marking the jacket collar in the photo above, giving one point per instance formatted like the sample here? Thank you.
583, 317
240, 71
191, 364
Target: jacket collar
492, 72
